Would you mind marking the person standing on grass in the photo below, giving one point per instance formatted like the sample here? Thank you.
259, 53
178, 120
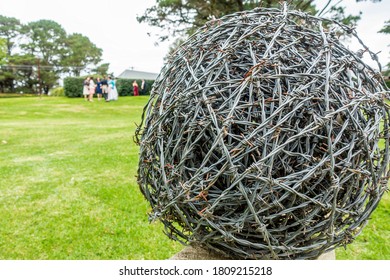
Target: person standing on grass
92, 88
135, 88
99, 89
86, 88
115, 94
143, 87
112, 91
104, 84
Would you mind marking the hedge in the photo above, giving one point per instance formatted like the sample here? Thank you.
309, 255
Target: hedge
125, 87
58, 91
73, 86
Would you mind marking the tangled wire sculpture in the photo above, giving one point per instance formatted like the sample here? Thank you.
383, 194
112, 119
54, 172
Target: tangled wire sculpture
265, 138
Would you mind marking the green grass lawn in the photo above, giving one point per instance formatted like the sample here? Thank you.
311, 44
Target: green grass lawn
68, 188
67, 182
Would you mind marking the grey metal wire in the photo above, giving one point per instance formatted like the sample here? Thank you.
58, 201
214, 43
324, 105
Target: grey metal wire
265, 137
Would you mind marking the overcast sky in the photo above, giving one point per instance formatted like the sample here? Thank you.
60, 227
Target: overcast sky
112, 26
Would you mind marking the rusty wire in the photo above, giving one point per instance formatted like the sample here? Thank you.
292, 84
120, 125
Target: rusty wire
265, 137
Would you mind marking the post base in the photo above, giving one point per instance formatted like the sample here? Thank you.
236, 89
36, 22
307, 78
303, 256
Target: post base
192, 253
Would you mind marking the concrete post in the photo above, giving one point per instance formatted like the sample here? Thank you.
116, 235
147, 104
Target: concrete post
191, 253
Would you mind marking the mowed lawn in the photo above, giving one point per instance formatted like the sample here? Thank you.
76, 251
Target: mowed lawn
68, 188
67, 182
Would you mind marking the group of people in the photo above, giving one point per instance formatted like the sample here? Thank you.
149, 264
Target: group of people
104, 89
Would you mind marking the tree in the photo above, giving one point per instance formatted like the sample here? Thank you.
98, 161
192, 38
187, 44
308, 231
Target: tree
182, 17
45, 40
102, 69
10, 30
178, 17
80, 52
3, 50
19, 73
337, 12
10, 33
37, 53
3, 54
386, 30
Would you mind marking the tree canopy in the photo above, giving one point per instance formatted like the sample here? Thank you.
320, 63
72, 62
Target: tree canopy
39, 52
180, 18
10, 29
3, 50
386, 30
81, 51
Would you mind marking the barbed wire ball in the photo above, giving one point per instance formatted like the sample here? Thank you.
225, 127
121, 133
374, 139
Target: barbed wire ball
265, 137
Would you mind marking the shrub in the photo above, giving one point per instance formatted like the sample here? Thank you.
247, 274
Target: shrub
73, 86
125, 86
58, 91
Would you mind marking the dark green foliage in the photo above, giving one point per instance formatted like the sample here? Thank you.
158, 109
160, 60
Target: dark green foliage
58, 91
386, 28
125, 87
43, 45
81, 52
183, 18
73, 86
10, 29
102, 69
